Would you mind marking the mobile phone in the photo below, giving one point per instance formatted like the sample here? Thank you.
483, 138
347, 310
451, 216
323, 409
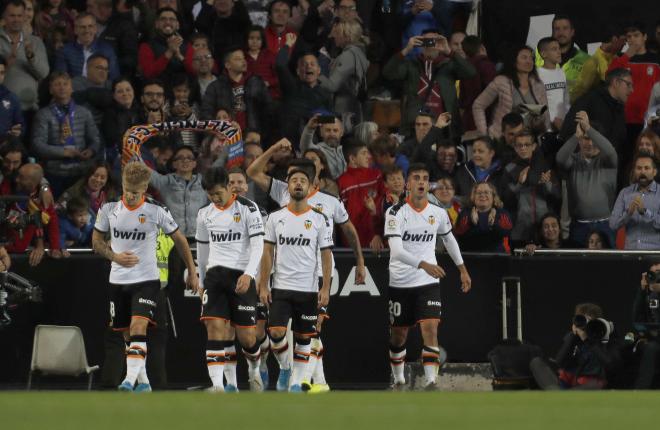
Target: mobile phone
326, 119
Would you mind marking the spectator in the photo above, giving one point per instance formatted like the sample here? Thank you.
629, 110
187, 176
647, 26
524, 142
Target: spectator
95, 188
197, 9
446, 161
445, 193
246, 96
12, 153
530, 190
27, 62
366, 132
595, 67
637, 207
76, 226
330, 144
279, 12
166, 53
419, 149
604, 105
301, 95
254, 193
348, 71
11, 117
652, 118
518, 84
512, 124
28, 183
29, 26
213, 152
72, 57
64, 135
383, 149
598, 240
159, 153
483, 167
475, 53
456, 43
395, 184
153, 104
362, 191
326, 183
647, 142
182, 190
548, 235
119, 31
94, 91
202, 66
122, 115
428, 80
644, 72
226, 25
184, 105
554, 79
484, 225
590, 180
418, 16
55, 23
261, 61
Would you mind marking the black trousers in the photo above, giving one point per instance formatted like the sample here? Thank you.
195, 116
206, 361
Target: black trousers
648, 364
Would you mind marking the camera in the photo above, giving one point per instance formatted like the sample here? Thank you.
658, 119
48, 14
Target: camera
428, 42
653, 277
596, 329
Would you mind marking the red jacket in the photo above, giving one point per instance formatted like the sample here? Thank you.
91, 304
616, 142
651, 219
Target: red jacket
645, 72
154, 65
275, 42
355, 184
52, 229
264, 67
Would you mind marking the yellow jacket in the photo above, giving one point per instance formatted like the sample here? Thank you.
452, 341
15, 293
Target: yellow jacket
164, 245
593, 72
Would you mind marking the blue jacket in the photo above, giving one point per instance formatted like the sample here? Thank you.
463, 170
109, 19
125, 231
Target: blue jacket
80, 237
71, 59
10, 111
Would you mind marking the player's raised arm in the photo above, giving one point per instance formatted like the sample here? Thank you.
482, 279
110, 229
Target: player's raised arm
256, 171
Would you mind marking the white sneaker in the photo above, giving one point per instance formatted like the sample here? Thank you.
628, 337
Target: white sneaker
256, 384
215, 389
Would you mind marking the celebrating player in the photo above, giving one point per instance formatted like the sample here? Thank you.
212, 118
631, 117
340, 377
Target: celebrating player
229, 247
296, 231
331, 207
411, 228
133, 224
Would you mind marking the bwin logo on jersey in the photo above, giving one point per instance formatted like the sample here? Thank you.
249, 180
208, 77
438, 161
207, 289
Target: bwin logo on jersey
422, 237
297, 241
237, 217
226, 237
129, 235
308, 224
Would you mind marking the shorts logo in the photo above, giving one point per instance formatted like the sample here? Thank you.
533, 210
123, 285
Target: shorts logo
308, 224
146, 302
237, 217
431, 219
319, 207
246, 308
309, 317
142, 218
433, 303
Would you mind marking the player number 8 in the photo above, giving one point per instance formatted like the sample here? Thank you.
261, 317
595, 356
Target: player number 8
395, 308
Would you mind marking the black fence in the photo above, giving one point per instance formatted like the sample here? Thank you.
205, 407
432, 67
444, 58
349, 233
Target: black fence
356, 337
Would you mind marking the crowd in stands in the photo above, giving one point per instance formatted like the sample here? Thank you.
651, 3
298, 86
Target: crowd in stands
544, 148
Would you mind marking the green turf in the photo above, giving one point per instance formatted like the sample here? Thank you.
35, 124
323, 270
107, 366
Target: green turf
339, 410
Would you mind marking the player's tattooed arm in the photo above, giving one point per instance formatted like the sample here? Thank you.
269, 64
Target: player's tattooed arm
101, 247
354, 243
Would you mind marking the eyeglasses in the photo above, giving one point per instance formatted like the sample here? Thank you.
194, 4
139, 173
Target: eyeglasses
184, 159
629, 84
103, 68
483, 193
523, 145
347, 8
444, 188
203, 57
154, 95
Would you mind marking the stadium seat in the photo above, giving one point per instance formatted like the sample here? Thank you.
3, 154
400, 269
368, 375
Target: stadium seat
59, 350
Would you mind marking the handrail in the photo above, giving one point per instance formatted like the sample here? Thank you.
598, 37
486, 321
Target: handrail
519, 252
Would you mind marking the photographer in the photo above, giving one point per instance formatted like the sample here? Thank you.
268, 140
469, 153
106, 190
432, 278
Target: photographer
585, 357
646, 312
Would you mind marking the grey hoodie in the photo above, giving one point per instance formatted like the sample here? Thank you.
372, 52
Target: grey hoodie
335, 156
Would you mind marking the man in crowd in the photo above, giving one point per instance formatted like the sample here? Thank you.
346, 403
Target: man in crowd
226, 23
512, 124
330, 144
637, 207
595, 68
119, 31
72, 57
591, 180
11, 116
419, 148
276, 32
475, 53
554, 79
93, 91
202, 66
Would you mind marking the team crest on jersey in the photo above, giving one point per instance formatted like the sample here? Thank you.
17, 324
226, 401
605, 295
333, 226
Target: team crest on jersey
237, 217
431, 219
319, 207
308, 224
142, 218
391, 223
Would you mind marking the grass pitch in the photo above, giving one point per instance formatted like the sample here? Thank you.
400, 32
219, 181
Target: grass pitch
337, 410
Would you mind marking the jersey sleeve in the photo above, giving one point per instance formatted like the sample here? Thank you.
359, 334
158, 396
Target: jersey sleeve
202, 232
102, 221
325, 234
340, 215
166, 222
270, 230
279, 192
255, 223
444, 223
392, 224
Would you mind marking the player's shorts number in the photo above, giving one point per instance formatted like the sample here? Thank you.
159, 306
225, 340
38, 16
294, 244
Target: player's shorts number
112, 310
205, 298
395, 309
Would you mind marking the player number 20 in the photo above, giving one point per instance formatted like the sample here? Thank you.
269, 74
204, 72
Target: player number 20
395, 308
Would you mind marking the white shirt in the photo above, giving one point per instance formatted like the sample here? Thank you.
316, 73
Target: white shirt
228, 229
298, 239
557, 91
135, 230
418, 230
323, 202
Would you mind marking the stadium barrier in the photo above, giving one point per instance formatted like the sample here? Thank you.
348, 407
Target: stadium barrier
75, 292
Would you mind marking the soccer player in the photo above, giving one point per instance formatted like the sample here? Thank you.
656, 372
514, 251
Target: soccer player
295, 232
229, 247
411, 228
133, 224
334, 209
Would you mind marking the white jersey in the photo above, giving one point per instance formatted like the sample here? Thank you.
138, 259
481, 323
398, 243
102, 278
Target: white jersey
418, 231
298, 239
327, 204
556, 91
136, 230
228, 229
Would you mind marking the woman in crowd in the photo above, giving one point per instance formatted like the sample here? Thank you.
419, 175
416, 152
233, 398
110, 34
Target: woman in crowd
366, 132
482, 167
124, 114
518, 84
444, 191
548, 235
647, 142
598, 240
260, 61
96, 188
484, 225
184, 98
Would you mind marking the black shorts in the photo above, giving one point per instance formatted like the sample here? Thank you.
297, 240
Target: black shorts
133, 301
409, 306
220, 300
301, 307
